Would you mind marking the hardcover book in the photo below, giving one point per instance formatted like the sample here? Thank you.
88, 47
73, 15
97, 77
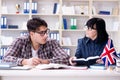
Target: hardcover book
4, 65
88, 61
98, 66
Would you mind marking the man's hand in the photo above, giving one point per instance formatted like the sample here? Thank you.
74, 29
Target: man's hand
34, 61
31, 61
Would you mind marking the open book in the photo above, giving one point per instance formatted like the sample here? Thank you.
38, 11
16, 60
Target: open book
88, 61
59, 66
51, 66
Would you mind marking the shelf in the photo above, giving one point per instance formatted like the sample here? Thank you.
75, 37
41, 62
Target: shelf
55, 21
14, 14
13, 30
46, 14
75, 15
77, 30
105, 16
106, 0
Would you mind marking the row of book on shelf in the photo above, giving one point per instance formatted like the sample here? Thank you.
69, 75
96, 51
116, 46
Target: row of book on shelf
4, 25
73, 24
75, 9
84, 10
26, 8
54, 35
7, 40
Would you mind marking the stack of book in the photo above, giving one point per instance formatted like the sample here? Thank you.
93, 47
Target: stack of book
118, 65
5, 65
98, 66
12, 66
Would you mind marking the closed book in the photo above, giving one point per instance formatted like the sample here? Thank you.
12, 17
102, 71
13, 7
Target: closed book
98, 66
64, 23
3, 22
117, 69
55, 8
7, 65
104, 12
78, 67
13, 26
34, 7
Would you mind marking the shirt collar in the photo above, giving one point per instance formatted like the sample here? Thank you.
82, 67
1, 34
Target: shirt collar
87, 40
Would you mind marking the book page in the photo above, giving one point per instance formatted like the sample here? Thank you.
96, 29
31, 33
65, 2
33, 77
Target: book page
80, 59
93, 57
89, 58
21, 68
51, 66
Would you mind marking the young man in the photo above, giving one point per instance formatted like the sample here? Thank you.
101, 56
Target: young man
35, 48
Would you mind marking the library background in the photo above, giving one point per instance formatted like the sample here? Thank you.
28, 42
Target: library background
65, 18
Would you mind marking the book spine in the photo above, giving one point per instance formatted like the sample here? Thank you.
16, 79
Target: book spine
3, 22
64, 23
34, 7
104, 12
55, 8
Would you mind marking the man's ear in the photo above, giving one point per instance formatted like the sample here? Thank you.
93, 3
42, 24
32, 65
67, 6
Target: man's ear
31, 33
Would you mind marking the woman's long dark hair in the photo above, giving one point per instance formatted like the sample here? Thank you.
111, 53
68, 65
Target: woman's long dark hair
102, 34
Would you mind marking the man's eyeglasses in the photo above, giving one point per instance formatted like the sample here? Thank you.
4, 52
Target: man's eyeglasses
42, 33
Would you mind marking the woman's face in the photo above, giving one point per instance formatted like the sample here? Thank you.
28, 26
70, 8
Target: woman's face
91, 33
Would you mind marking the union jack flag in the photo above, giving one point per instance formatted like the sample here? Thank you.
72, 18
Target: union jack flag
109, 55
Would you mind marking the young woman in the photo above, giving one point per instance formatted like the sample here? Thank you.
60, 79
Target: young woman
93, 43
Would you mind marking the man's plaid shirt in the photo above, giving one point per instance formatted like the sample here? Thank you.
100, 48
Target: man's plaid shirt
21, 49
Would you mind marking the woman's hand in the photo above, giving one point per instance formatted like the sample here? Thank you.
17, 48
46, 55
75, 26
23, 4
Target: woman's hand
71, 61
99, 61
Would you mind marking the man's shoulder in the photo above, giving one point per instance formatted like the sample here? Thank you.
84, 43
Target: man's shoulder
23, 38
52, 41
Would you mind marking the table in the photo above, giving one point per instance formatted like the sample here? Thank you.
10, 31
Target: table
35, 74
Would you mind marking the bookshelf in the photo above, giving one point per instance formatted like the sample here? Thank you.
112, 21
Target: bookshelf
79, 10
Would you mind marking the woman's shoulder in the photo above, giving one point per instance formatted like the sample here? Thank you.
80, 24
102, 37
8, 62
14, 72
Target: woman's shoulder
83, 40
